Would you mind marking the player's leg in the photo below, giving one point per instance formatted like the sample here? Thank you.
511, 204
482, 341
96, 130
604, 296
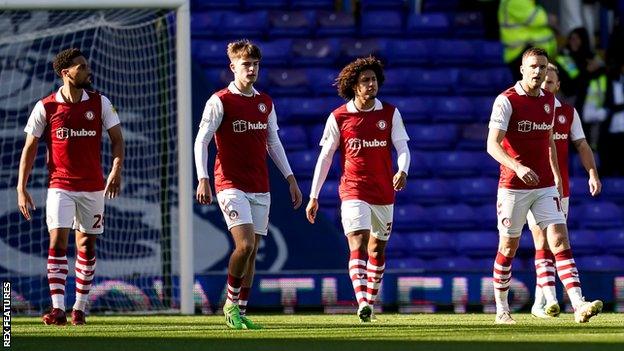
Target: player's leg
381, 224
544, 272
60, 211
237, 213
512, 209
356, 222
248, 277
551, 215
89, 223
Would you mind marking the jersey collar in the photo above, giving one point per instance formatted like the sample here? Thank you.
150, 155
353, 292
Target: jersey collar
234, 90
521, 91
352, 109
59, 97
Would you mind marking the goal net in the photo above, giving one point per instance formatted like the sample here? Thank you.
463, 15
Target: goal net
132, 54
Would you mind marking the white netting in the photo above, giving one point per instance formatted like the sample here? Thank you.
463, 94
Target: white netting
132, 56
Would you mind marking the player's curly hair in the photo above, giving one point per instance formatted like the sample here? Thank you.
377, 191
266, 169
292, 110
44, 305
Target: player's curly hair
64, 59
243, 48
348, 77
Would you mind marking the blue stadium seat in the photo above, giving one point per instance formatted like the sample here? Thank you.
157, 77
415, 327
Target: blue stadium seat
382, 23
579, 190
430, 191
303, 163
602, 263
410, 218
484, 81
454, 163
397, 81
491, 52
411, 263
304, 184
468, 25
585, 242
476, 243
322, 80
329, 193
352, 49
455, 52
526, 248
454, 264
399, 246
313, 4
489, 166
432, 137
431, 244
253, 24
601, 215
315, 52
210, 53
428, 25
430, 81
486, 216
288, 82
293, 137
199, 5
207, 24
265, 4
219, 77
410, 52
454, 217
440, 6
419, 166
613, 189
576, 166
315, 133
292, 24
483, 108
613, 241
311, 110
332, 214
276, 53
367, 5
335, 24
452, 109
476, 191
473, 137
412, 108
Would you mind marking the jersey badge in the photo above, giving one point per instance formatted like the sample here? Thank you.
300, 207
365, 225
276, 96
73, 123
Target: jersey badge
561, 119
89, 115
382, 125
547, 108
262, 107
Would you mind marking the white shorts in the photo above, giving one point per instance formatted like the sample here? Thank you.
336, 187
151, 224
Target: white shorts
359, 215
239, 207
565, 205
80, 210
512, 207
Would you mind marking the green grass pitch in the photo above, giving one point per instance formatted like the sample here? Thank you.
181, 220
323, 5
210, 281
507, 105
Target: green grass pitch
323, 332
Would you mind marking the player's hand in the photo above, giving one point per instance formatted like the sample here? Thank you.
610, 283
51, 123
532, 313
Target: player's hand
295, 192
595, 186
399, 180
204, 193
311, 210
527, 175
113, 184
25, 203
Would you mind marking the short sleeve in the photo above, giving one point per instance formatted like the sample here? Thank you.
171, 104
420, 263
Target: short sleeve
110, 118
37, 121
501, 113
576, 130
331, 134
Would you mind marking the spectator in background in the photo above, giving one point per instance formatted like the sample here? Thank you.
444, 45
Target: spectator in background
524, 24
612, 133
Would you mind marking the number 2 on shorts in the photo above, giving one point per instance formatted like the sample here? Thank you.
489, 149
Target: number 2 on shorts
558, 203
98, 221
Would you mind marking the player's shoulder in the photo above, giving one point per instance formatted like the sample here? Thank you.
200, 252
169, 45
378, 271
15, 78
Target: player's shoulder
509, 92
340, 110
222, 93
388, 106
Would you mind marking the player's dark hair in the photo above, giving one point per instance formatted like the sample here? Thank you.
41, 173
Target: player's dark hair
243, 48
534, 51
65, 59
348, 77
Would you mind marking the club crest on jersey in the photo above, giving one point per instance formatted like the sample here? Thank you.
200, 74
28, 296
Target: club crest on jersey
233, 215
547, 108
382, 125
506, 222
262, 107
89, 115
561, 119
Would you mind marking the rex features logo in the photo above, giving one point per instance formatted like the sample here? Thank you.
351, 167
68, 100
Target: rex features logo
241, 126
527, 126
66, 133
357, 144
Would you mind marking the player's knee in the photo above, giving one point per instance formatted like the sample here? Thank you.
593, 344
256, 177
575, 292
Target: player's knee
245, 248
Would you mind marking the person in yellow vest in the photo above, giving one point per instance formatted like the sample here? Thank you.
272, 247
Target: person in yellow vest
594, 110
524, 24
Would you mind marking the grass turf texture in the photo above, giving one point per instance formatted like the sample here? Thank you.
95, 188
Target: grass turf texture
323, 332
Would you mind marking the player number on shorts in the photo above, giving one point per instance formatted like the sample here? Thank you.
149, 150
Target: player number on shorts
558, 203
98, 221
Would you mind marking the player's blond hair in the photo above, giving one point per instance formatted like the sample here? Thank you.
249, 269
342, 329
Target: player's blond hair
534, 51
553, 68
243, 49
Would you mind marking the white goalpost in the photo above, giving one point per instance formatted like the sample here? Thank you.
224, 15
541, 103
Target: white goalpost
139, 52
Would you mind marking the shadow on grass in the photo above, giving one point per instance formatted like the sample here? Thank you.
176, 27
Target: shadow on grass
272, 344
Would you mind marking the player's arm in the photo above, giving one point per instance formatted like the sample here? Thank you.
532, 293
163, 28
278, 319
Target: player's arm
211, 120
278, 155
586, 154
24, 201
554, 163
113, 183
499, 120
329, 144
399, 140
